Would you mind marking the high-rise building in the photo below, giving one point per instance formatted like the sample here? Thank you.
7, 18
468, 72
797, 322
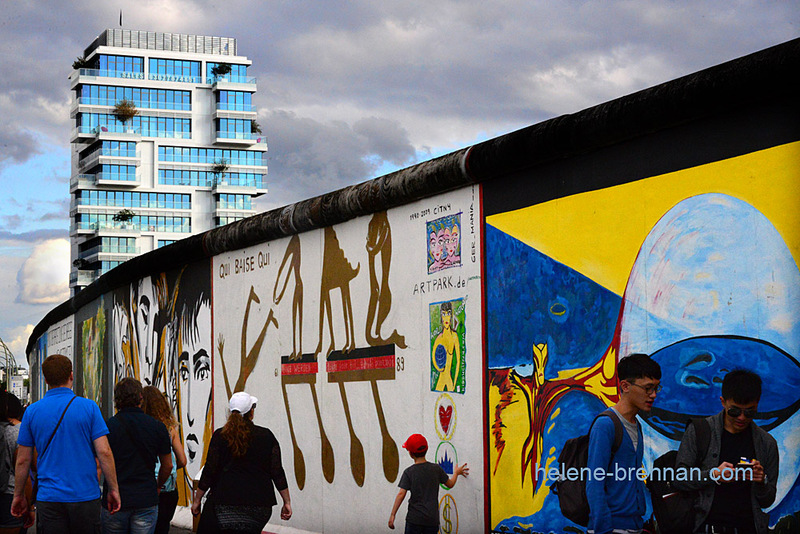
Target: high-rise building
165, 144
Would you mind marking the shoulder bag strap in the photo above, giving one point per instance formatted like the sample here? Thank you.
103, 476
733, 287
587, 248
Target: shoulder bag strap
41, 454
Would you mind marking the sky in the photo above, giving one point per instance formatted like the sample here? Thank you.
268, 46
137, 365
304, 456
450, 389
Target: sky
347, 91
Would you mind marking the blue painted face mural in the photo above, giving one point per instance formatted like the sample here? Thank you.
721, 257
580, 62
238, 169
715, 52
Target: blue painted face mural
714, 287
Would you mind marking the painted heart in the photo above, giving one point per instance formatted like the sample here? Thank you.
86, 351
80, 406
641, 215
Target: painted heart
445, 415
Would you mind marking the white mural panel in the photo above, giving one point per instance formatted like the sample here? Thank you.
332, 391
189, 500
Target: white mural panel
353, 337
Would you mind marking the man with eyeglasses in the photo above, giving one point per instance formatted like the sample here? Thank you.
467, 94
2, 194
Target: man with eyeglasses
617, 501
739, 472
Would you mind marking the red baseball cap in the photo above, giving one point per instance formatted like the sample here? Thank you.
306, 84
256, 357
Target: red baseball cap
416, 443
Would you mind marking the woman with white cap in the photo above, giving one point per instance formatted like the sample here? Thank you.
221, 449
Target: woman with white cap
243, 463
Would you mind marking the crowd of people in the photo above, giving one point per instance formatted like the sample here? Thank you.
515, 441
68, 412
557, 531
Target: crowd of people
56, 452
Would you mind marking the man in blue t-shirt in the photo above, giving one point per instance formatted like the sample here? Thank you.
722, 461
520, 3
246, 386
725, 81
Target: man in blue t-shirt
68, 498
137, 440
617, 500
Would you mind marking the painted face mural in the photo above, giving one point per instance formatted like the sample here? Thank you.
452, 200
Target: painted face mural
693, 288
193, 361
144, 308
444, 242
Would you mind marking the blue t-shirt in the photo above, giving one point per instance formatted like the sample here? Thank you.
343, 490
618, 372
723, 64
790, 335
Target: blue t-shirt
67, 472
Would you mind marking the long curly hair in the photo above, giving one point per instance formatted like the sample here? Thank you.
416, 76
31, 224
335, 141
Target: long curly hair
238, 432
155, 404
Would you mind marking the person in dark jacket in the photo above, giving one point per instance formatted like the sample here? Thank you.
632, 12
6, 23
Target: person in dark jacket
137, 441
243, 463
739, 472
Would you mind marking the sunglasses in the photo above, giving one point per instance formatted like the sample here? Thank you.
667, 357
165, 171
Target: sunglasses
735, 411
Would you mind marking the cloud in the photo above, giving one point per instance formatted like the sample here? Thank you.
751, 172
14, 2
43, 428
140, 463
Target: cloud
44, 276
33, 236
308, 155
16, 340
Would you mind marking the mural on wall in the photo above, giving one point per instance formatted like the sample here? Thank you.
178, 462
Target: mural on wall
92, 343
444, 243
162, 336
689, 285
332, 335
346, 360
448, 346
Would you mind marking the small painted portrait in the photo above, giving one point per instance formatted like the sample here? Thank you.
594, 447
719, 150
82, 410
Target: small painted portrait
444, 243
448, 337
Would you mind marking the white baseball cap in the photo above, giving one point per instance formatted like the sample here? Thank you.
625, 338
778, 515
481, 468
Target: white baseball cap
242, 402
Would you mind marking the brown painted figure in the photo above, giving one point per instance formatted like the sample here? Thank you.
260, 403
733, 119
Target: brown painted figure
379, 242
337, 272
292, 259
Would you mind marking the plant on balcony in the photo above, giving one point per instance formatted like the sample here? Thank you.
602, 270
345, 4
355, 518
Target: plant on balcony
255, 127
125, 110
80, 263
221, 70
124, 215
81, 63
218, 169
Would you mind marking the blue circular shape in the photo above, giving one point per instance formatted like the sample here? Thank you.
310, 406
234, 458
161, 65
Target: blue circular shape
441, 356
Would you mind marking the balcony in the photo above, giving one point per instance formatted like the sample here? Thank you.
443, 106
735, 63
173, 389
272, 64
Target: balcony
82, 278
106, 155
110, 253
85, 104
104, 227
240, 138
235, 111
97, 73
232, 83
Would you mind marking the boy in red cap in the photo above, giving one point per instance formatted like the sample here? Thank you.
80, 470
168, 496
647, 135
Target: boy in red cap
422, 479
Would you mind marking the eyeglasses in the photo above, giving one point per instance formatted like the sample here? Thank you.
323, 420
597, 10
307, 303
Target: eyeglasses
649, 390
735, 411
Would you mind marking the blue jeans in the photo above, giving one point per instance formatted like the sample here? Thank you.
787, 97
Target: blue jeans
134, 521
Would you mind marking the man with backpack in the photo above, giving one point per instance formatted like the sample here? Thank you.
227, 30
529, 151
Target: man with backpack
739, 469
617, 501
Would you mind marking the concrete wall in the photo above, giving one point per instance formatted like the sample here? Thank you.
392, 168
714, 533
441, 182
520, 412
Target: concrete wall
484, 300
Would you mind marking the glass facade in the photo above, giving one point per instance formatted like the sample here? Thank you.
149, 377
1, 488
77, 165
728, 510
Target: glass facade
208, 178
238, 74
164, 242
133, 199
222, 221
234, 202
142, 223
174, 70
142, 124
234, 128
119, 67
108, 95
122, 173
210, 155
235, 101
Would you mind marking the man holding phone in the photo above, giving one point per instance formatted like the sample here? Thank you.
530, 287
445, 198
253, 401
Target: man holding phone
739, 472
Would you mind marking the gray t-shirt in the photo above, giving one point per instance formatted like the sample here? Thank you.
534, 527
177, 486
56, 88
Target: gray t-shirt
11, 433
631, 428
423, 480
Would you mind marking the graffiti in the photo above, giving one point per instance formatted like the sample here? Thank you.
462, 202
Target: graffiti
337, 272
448, 347
379, 243
696, 299
445, 417
162, 336
448, 515
444, 243
93, 338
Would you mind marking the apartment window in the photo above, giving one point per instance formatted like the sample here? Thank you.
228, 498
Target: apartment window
106, 95
175, 70
234, 101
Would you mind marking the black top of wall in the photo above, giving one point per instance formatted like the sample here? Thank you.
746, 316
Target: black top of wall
734, 108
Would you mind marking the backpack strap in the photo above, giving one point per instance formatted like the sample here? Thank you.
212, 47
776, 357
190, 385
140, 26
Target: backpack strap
618, 430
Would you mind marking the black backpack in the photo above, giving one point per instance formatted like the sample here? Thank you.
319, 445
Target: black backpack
572, 493
673, 509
